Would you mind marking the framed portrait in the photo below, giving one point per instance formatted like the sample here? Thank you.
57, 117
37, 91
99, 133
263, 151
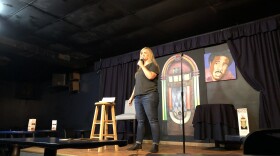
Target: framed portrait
219, 64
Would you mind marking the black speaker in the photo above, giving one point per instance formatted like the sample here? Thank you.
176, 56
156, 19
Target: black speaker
58, 80
74, 86
262, 142
75, 76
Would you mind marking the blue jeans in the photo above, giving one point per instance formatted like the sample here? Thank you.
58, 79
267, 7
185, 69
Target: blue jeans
147, 105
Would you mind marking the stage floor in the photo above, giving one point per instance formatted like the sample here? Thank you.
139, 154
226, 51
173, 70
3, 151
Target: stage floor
164, 150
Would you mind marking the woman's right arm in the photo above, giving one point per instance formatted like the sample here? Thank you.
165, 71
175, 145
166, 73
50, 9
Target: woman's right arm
131, 97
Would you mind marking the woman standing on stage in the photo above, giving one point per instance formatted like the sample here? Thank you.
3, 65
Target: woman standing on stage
146, 98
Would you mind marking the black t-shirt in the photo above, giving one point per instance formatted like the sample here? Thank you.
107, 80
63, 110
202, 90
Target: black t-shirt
142, 84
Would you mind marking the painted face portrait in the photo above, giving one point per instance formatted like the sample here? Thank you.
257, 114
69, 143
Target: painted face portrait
218, 67
243, 123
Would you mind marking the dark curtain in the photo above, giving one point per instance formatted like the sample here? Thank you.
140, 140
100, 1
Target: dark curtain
117, 78
255, 49
116, 82
258, 59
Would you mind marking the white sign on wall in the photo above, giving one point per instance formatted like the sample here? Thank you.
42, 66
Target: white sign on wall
243, 122
54, 125
31, 125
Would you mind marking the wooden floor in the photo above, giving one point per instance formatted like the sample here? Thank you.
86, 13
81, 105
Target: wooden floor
164, 150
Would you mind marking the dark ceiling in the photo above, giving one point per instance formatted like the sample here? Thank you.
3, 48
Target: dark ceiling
76, 33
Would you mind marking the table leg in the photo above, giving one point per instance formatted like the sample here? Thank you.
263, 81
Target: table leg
217, 144
50, 152
16, 150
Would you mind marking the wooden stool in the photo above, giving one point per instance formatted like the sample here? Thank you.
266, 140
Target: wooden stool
104, 122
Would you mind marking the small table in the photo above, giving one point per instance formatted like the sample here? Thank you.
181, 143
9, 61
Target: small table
12, 134
52, 144
214, 121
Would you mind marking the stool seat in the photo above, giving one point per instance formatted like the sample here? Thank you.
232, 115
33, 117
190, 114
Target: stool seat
104, 103
104, 121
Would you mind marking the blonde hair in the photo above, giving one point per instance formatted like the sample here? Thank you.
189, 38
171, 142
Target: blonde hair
151, 56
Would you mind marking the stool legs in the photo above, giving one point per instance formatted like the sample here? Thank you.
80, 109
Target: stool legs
101, 129
104, 122
114, 126
94, 122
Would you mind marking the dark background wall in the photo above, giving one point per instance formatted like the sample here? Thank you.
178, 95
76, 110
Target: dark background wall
75, 110
16, 111
72, 110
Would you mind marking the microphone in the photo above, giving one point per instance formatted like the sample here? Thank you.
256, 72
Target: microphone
140, 60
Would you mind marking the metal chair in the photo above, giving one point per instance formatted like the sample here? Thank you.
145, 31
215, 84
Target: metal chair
128, 115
